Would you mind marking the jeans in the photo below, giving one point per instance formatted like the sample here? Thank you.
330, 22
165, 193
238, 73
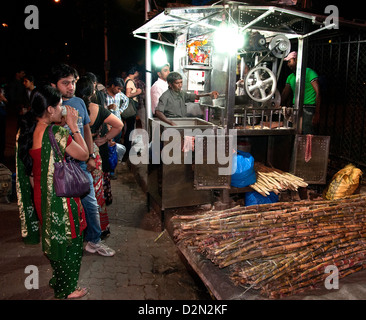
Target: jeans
90, 204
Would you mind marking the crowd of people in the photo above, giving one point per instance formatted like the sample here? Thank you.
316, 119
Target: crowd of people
85, 118
91, 124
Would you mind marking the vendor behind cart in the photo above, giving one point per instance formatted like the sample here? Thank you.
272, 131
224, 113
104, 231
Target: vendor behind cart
172, 102
312, 99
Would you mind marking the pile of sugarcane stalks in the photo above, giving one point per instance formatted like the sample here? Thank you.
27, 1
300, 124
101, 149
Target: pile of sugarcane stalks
281, 248
270, 179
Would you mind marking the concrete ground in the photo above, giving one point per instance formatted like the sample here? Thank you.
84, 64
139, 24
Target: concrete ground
147, 264
145, 267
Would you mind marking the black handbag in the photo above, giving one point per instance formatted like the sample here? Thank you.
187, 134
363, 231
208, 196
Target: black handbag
131, 110
69, 180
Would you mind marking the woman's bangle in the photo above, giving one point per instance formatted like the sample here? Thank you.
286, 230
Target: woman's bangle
77, 131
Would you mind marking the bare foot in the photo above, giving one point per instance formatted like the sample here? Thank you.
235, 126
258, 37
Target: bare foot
78, 293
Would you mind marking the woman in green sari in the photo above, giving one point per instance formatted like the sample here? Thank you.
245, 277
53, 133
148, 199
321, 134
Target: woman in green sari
59, 220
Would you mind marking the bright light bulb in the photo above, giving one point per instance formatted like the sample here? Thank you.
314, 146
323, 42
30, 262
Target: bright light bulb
160, 57
228, 39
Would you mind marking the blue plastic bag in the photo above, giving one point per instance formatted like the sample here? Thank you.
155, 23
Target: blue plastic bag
254, 197
243, 173
112, 156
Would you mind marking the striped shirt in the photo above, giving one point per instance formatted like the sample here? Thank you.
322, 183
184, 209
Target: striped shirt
120, 100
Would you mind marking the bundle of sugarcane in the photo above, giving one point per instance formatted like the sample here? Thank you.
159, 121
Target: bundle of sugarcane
296, 272
281, 248
270, 179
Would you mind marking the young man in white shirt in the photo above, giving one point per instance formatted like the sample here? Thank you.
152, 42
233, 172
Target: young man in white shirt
159, 86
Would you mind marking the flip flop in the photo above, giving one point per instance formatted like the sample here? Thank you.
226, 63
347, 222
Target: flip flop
82, 292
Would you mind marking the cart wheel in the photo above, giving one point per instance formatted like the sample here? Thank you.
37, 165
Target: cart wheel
260, 84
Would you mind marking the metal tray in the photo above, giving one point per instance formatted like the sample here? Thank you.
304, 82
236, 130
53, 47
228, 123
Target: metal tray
315, 170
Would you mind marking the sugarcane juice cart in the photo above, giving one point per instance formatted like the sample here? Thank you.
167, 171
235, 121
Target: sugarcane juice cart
237, 50
214, 47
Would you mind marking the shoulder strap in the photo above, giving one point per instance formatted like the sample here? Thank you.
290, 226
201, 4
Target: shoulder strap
54, 143
132, 82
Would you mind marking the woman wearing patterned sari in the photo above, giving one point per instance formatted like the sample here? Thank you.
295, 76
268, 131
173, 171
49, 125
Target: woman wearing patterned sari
102, 123
60, 220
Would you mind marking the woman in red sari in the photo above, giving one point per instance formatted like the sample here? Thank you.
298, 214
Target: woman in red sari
61, 219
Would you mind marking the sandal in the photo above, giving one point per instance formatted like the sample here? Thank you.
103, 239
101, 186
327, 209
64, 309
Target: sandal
78, 293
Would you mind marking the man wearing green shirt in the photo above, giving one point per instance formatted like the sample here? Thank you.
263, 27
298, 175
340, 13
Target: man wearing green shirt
172, 102
311, 107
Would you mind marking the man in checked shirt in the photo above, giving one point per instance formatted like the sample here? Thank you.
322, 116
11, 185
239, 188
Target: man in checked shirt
116, 100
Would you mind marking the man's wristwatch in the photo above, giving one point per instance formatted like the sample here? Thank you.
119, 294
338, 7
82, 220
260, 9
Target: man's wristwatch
92, 156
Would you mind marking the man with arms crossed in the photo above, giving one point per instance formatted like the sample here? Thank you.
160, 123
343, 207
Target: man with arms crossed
159, 86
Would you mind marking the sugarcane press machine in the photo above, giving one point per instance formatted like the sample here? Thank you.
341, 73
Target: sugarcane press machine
246, 76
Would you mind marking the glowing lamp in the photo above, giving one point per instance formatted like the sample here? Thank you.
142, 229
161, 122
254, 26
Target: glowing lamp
228, 39
160, 58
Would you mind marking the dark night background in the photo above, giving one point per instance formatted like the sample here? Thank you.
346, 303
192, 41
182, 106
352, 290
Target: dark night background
80, 24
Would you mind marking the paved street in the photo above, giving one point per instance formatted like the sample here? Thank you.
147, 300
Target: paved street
143, 268
147, 264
